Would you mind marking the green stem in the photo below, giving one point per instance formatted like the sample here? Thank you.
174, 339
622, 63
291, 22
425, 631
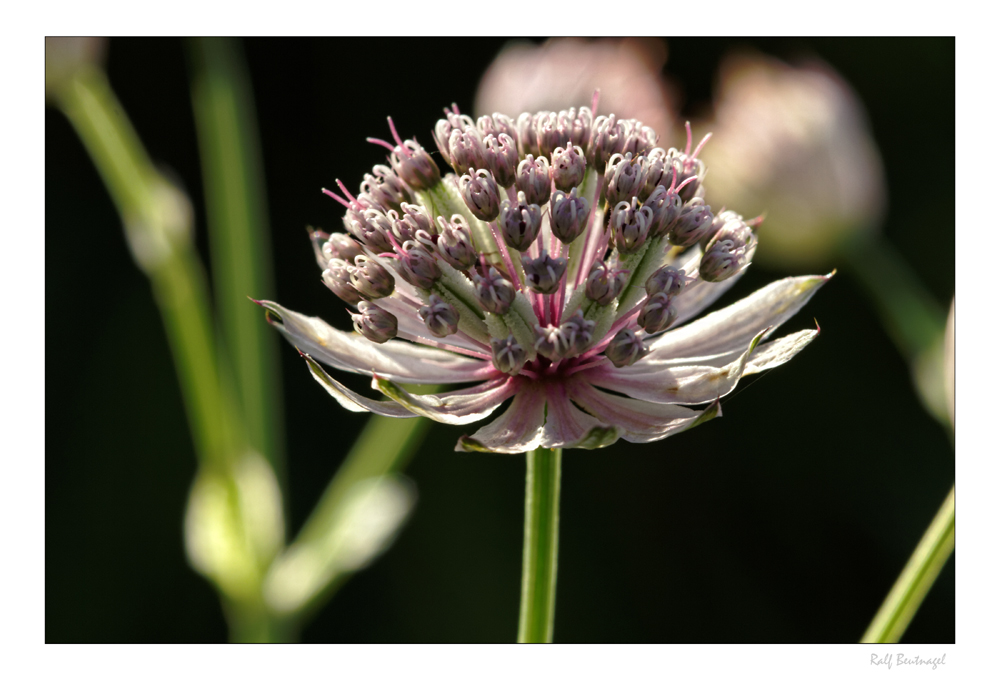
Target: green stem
541, 546
917, 577
237, 228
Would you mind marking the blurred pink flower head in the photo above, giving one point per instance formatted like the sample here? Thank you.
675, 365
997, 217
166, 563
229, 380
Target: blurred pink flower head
793, 142
564, 72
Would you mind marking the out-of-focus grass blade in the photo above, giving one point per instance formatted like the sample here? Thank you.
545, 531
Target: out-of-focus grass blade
238, 232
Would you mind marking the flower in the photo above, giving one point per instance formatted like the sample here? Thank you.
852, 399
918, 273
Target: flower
793, 141
587, 326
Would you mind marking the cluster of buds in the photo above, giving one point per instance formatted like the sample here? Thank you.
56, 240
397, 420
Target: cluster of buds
560, 239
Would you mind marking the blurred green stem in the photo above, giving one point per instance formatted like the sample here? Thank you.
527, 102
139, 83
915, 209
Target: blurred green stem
541, 546
917, 577
237, 226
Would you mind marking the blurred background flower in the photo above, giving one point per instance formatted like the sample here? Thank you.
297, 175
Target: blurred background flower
724, 539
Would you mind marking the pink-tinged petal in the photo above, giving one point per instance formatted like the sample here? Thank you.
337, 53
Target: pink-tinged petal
568, 427
395, 359
518, 429
640, 421
350, 399
774, 353
454, 408
690, 384
731, 329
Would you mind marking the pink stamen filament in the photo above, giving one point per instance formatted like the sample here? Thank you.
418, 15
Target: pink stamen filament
505, 254
354, 201
399, 141
336, 198
612, 332
584, 365
380, 142
701, 145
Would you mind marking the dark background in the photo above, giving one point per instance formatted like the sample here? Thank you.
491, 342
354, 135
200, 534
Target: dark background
786, 521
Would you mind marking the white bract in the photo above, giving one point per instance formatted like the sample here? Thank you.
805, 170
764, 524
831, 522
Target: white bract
575, 302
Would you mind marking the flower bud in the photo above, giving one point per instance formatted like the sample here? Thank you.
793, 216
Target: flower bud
551, 134
668, 280
687, 168
624, 177
452, 121
542, 274
695, 219
726, 218
374, 323
605, 141
666, 206
508, 356
657, 313
417, 266
371, 227
533, 179
415, 218
630, 225
318, 241
341, 246
527, 138
519, 224
501, 158
415, 166
725, 251
625, 348
568, 167
466, 150
479, 190
659, 172
604, 284
578, 123
384, 189
568, 215
493, 292
577, 333
439, 316
496, 125
454, 245
337, 277
637, 138
550, 342
371, 279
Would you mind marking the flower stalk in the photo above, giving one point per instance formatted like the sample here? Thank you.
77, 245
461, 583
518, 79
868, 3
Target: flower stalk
541, 546
919, 574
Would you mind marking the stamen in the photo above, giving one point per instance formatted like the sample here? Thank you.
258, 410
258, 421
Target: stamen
336, 198
687, 148
381, 143
584, 365
508, 263
593, 102
354, 201
701, 145
395, 135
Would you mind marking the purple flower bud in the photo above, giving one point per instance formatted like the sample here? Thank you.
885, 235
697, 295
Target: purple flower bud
414, 165
687, 168
657, 313
494, 292
384, 189
519, 224
577, 333
341, 246
630, 225
666, 207
721, 261
727, 219
551, 134
568, 167
625, 348
578, 122
479, 190
533, 179
501, 158
624, 177
370, 226
454, 245
695, 219
605, 141
439, 316
417, 266
496, 125
466, 150
549, 342
337, 277
442, 130
508, 356
668, 280
659, 172
542, 274
604, 284
374, 323
569, 215
415, 218
527, 138
371, 279
637, 138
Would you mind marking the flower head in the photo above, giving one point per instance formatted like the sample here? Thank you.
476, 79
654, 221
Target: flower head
578, 306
